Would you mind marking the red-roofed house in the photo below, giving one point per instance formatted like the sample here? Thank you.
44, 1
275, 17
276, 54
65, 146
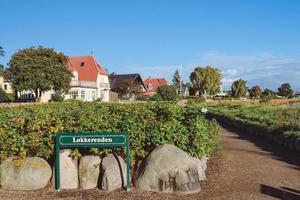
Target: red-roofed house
152, 84
90, 81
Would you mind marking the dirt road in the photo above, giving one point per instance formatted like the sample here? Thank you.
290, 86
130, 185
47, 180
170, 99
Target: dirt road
249, 168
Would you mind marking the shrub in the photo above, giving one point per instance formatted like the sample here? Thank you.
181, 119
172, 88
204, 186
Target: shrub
30, 130
57, 97
167, 93
6, 97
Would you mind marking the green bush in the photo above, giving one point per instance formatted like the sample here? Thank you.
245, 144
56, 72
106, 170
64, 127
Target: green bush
57, 97
6, 97
30, 130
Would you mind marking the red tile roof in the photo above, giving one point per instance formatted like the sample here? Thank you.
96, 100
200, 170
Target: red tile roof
152, 84
89, 70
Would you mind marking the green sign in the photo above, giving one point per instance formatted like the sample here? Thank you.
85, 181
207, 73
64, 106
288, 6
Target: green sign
93, 139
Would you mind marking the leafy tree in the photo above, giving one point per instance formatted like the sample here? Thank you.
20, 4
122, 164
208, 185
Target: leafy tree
128, 87
167, 93
285, 90
176, 81
268, 93
206, 80
255, 92
239, 88
38, 70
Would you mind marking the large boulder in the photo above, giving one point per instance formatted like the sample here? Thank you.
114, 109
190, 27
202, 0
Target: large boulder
169, 169
30, 173
89, 170
68, 170
113, 173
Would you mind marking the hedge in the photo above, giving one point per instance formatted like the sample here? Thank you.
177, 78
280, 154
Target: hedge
30, 130
280, 124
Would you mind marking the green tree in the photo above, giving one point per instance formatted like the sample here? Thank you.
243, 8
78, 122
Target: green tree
167, 93
268, 93
206, 80
239, 88
38, 69
255, 92
128, 87
285, 90
176, 81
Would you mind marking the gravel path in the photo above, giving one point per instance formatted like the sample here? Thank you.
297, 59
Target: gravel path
248, 168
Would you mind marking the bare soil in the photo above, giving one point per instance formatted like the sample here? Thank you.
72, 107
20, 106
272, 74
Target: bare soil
248, 167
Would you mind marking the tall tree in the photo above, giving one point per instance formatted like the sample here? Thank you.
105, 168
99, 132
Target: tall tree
38, 69
206, 80
239, 88
176, 81
255, 92
285, 90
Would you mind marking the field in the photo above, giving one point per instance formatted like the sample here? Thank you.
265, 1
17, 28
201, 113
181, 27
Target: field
280, 123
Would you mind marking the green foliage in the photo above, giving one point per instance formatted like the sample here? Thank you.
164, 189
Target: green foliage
156, 97
239, 88
195, 99
38, 70
272, 121
30, 130
206, 80
255, 92
6, 97
268, 93
128, 88
176, 81
285, 90
57, 97
167, 93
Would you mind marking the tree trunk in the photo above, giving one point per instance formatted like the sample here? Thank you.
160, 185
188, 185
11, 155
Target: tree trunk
36, 93
204, 94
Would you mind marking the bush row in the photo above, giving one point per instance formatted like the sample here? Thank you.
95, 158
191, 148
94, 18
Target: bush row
280, 124
30, 130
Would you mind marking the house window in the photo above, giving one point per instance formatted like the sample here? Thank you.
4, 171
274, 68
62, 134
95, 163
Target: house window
93, 95
5, 87
82, 64
82, 96
74, 94
102, 95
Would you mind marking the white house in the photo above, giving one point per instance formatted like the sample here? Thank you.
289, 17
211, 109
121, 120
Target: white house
90, 81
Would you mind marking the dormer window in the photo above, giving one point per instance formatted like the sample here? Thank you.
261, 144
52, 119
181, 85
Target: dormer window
82, 64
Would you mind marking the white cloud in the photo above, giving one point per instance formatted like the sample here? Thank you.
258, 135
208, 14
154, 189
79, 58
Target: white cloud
264, 69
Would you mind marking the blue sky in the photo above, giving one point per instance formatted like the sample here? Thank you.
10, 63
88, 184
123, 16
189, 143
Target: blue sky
258, 40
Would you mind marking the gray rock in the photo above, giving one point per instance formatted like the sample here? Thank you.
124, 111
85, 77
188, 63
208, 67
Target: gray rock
89, 170
30, 173
169, 169
113, 173
68, 170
